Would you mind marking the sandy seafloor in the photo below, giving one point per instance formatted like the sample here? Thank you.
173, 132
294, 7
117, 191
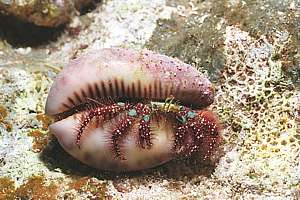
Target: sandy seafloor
249, 49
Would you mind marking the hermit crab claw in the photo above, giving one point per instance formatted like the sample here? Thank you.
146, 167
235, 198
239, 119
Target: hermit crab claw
122, 110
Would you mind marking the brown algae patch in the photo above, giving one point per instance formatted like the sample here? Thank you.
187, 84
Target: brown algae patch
90, 188
7, 188
40, 140
45, 120
3, 113
35, 188
38, 187
3, 116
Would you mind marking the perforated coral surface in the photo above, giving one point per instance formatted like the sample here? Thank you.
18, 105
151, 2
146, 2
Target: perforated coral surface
260, 109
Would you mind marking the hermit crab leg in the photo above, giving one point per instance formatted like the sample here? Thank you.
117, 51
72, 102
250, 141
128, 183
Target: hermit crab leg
102, 113
120, 129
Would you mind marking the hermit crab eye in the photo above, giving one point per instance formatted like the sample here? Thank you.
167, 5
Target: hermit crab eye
122, 110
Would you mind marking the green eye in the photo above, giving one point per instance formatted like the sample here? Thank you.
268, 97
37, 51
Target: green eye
132, 113
146, 118
191, 114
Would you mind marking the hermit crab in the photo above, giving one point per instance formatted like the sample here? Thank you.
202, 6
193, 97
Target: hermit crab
124, 110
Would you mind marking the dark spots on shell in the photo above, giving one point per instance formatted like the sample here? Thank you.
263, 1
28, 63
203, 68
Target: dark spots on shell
150, 90
122, 87
104, 90
98, 92
77, 96
90, 90
155, 89
111, 89
133, 92
128, 91
145, 92
160, 89
139, 89
71, 101
83, 94
117, 87
66, 106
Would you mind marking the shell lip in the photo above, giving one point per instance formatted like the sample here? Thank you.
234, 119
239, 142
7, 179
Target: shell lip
110, 68
91, 103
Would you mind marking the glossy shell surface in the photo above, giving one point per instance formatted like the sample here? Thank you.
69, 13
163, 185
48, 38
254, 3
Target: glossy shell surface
122, 110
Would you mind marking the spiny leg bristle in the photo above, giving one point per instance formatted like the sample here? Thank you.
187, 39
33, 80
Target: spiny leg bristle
119, 128
101, 113
145, 133
180, 135
211, 129
144, 130
84, 121
197, 133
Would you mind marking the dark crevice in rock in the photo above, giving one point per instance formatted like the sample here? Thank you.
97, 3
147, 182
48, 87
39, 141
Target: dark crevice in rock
84, 6
23, 34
